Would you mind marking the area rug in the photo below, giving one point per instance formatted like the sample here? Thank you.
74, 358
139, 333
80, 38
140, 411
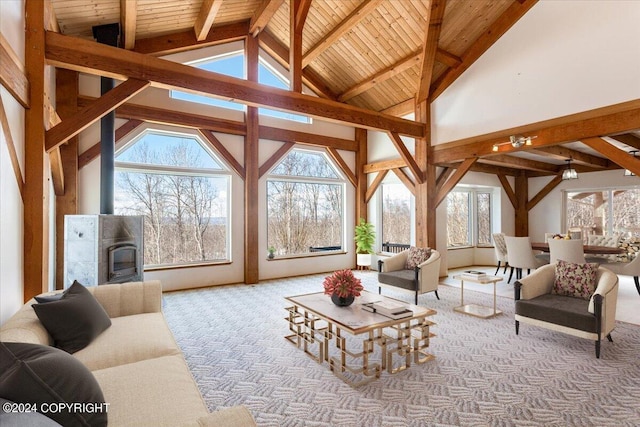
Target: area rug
483, 374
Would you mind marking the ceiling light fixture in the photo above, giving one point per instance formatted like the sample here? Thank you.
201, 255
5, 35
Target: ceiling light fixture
569, 172
516, 141
627, 172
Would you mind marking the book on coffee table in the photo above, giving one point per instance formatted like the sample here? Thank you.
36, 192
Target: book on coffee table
388, 309
474, 274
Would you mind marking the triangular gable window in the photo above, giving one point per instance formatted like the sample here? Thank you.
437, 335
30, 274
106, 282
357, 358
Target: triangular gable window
233, 64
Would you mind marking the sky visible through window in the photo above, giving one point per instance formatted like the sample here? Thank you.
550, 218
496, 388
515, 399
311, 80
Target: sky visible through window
233, 66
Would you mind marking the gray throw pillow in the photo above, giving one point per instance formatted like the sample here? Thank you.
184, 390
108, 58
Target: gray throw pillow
49, 378
74, 320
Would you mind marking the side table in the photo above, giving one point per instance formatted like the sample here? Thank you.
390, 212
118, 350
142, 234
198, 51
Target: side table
475, 309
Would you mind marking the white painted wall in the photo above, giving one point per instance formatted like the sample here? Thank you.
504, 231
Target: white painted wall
11, 206
561, 58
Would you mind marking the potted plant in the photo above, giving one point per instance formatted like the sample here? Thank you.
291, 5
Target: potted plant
271, 251
365, 238
343, 287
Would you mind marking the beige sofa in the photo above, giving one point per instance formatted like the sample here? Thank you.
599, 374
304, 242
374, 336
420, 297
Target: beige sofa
136, 361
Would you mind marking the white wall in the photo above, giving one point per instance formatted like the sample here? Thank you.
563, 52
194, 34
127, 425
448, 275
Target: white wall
561, 58
11, 206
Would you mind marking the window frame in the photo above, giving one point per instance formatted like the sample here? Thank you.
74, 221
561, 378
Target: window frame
472, 220
341, 180
224, 172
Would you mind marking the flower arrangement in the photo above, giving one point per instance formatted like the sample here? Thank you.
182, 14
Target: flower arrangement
343, 284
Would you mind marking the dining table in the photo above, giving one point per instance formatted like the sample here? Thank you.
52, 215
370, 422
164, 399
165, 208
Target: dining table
588, 249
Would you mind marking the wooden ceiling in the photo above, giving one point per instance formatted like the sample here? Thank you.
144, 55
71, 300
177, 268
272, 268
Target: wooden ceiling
366, 53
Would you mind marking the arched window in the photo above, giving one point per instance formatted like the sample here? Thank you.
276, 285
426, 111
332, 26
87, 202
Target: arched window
305, 205
182, 189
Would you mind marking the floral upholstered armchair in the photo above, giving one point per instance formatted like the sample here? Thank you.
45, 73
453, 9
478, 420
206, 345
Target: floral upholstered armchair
415, 270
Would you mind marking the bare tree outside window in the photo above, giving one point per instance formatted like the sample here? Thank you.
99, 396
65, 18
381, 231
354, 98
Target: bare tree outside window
185, 208
304, 205
396, 213
605, 211
458, 221
483, 219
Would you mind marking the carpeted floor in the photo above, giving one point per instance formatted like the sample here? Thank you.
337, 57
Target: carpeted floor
483, 374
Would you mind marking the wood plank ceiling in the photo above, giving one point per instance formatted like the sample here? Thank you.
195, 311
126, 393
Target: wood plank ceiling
366, 53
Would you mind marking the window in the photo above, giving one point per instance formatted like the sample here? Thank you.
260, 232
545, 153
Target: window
469, 217
305, 205
233, 64
397, 203
176, 182
610, 211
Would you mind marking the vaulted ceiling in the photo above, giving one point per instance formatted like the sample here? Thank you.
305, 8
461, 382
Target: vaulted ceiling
379, 55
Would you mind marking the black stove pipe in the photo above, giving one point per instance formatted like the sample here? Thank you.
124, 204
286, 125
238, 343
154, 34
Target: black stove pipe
107, 34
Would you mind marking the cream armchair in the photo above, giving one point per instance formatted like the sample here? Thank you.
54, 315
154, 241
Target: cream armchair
424, 278
591, 319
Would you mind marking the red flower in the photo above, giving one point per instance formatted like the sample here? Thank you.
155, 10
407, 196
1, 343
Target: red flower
343, 283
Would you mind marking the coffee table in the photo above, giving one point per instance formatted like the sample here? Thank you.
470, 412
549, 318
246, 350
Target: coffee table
331, 334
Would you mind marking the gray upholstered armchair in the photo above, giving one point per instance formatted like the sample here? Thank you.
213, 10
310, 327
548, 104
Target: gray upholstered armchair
592, 318
423, 278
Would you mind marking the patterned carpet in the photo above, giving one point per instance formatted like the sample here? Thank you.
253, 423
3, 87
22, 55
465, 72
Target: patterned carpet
483, 374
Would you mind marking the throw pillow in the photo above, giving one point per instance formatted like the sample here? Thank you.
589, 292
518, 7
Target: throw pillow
416, 257
48, 298
74, 320
575, 280
49, 378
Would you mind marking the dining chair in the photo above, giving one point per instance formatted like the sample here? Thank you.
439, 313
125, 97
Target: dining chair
521, 256
566, 250
500, 248
610, 241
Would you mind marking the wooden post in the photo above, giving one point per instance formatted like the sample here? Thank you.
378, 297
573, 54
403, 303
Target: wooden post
67, 203
361, 177
251, 167
522, 213
425, 192
36, 187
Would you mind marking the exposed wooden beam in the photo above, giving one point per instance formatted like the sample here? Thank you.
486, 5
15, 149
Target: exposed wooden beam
94, 151
629, 139
50, 20
263, 15
278, 134
455, 178
496, 30
93, 58
389, 72
444, 175
543, 193
280, 53
447, 58
94, 112
375, 184
226, 155
206, 17
407, 157
491, 169
252, 178
401, 109
384, 165
36, 193
405, 179
57, 175
343, 165
275, 157
298, 10
612, 152
128, 19
616, 118
186, 40
11, 147
172, 117
561, 153
508, 190
353, 19
12, 75
430, 48
520, 163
